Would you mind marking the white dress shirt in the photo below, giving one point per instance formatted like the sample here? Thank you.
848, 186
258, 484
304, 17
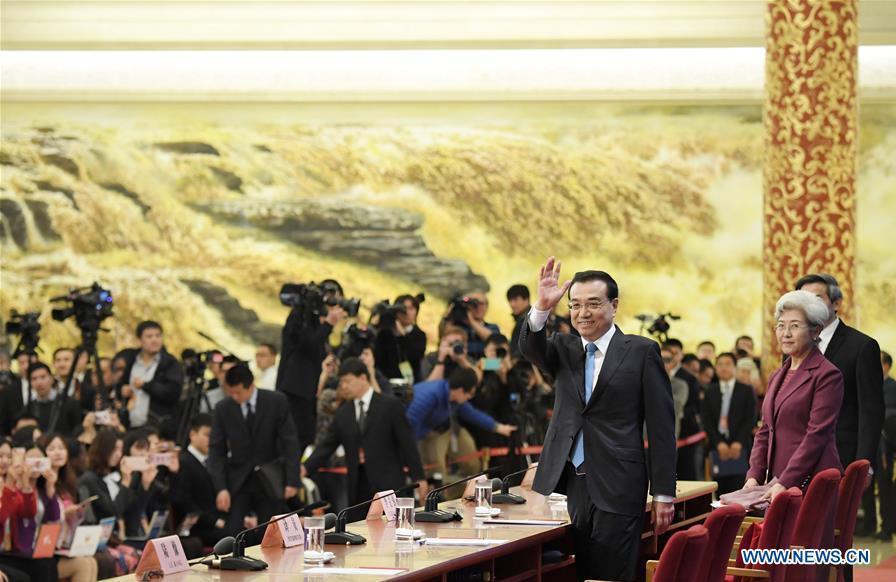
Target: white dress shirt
253, 400
824, 339
198, 454
368, 396
268, 379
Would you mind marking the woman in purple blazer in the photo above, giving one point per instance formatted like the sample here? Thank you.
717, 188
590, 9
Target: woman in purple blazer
799, 414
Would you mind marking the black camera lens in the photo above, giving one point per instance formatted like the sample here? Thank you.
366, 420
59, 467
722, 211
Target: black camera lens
457, 348
501, 353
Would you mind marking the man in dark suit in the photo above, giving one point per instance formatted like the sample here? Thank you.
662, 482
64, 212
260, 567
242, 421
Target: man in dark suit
304, 347
193, 491
862, 412
253, 437
690, 457
153, 378
729, 415
377, 438
608, 384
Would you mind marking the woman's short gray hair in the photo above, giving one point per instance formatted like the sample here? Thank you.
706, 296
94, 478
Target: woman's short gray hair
815, 310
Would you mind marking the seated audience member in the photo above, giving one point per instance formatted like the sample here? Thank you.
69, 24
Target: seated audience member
729, 415
150, 487
266, 362
799, 415
452, 354
706, 351
435, 412
194, 492
48, 405
107, 477
375, 434
18, 507
81, 569
154, 378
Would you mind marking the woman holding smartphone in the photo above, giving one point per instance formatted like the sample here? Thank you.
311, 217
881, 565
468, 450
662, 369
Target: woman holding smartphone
18, 504
78, 569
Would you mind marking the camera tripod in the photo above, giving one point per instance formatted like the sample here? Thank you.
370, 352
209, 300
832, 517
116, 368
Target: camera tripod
88, 346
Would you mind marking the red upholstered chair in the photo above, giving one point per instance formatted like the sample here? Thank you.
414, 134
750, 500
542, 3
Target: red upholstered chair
851, 488
722, 524
774, 532
813, 520
681, 558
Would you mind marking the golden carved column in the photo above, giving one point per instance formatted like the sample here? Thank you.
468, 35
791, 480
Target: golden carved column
810, 119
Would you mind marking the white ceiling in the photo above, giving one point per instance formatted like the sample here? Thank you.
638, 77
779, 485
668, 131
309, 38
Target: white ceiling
290, 24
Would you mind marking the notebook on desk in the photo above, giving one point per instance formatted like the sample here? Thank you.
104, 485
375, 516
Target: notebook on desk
85, 542
155, 527
46, 540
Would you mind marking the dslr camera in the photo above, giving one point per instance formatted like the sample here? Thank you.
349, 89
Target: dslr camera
460, 307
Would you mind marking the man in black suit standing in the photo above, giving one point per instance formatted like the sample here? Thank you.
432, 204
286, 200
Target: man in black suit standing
862, 412
690, 457
376, 435
607, 385
729, 415
193, 491
253, 437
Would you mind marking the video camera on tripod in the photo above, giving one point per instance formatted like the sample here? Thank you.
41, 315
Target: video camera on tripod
89, 306
659, 325
27, 327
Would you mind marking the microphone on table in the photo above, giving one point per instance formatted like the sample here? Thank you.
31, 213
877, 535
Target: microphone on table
431, 512
347, 538
505, 496
235, 545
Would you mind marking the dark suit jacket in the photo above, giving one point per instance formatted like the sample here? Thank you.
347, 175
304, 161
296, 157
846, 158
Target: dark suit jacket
741, 415
165, 387
861, 419
193, 491
690, 420
234, 452
11, 403
797, 440
388, 442
68, 412
632, 387
90, 484
303, 351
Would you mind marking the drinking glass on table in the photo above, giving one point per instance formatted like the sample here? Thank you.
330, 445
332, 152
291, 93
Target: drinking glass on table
404, 519
483, 497
314, 540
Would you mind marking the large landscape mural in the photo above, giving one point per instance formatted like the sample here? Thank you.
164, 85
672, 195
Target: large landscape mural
195, 215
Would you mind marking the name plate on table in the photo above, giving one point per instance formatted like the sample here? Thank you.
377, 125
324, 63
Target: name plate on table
285, 533
385, 505
162, 554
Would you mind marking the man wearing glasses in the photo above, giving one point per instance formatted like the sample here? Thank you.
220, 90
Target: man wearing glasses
607, 385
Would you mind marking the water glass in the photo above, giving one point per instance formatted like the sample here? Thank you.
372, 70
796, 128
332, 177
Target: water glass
314, 540
483, 496
404, 518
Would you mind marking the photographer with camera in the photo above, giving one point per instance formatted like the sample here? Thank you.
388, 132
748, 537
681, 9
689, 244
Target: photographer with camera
155, 378
316, 310
452, 355
400, 344
468, 313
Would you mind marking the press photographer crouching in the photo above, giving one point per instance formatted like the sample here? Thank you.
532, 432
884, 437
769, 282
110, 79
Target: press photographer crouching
316, 310
452, 355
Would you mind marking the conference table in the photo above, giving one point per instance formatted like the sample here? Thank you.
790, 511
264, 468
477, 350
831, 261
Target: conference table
520, 555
